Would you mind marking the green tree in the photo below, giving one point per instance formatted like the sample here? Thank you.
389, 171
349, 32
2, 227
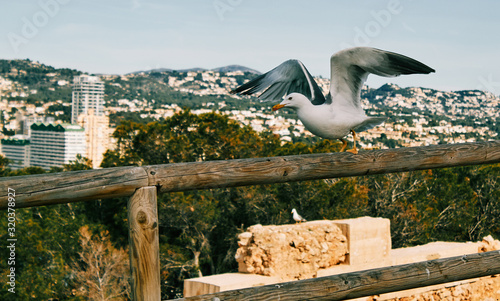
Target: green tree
47, 244
4, 163
80, 163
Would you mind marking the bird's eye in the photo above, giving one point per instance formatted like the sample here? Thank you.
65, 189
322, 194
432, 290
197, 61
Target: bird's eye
290, 98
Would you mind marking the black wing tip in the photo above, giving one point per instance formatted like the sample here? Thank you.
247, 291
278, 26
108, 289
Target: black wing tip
250, 87
407, 64
425, 69
421, 70
239, 92
243, 89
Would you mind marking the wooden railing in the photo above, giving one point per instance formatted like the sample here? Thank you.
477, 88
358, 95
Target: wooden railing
370, 282
141, 184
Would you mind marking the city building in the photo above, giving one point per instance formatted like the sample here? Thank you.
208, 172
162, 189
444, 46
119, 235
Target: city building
55, 145
17, 150
97, 136
88, 93
29, 120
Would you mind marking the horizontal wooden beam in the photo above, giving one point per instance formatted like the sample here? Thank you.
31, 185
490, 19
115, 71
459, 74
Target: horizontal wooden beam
370, 282
72, 186
46, 189
241, 172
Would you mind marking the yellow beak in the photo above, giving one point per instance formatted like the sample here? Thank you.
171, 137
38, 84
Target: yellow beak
278, 106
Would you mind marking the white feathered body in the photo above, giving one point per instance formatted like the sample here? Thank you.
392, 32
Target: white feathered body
329, 122
297, 217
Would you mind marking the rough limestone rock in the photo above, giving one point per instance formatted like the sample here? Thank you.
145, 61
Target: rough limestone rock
489, 244
291, 251
482, 289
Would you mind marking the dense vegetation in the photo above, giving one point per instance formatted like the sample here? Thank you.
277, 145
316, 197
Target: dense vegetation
198, 228
44, 79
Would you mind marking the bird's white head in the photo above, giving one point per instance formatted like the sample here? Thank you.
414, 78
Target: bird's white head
294, 211
294, 101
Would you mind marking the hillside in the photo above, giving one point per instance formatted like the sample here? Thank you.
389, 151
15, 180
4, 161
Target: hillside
230, 68
416, 116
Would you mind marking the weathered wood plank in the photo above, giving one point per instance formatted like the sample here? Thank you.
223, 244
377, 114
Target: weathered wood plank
73, 186
370, 282
241, 172
37, 190
144, 245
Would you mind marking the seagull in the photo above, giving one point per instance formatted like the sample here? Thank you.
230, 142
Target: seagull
339, 113
296, 217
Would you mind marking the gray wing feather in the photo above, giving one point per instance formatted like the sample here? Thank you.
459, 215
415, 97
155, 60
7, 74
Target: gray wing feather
351, 67
291, 76
369, 124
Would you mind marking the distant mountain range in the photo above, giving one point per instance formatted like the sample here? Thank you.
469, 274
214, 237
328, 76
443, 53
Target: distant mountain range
230, 68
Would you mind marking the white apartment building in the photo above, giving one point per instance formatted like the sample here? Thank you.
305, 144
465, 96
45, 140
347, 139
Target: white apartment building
55, 145
17, 150
88, 93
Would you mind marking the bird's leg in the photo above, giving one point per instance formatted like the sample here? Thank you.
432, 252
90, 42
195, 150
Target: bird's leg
354, 149
344, 145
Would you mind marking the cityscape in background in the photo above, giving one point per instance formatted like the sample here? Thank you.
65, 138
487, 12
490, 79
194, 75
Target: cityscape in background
78, 113
47, 142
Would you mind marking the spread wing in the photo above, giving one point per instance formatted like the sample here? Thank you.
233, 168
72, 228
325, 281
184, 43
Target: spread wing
291, 76
350, 68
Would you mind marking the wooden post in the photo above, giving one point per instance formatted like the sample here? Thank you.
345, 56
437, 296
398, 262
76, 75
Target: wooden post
144, 245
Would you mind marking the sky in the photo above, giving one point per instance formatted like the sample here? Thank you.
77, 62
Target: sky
460, 39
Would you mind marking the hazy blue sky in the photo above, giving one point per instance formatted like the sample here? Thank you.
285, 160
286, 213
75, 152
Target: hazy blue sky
460, 39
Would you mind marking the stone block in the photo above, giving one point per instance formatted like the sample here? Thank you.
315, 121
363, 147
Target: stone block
224, 282
368, 239
431, 251
291, 251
